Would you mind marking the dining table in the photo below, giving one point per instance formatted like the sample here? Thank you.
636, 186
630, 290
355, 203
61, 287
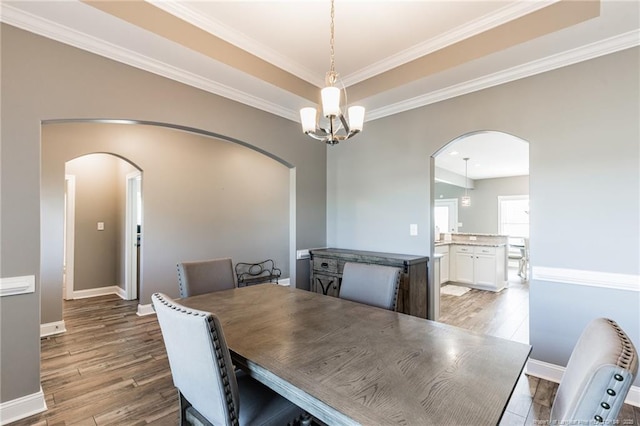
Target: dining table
347, 363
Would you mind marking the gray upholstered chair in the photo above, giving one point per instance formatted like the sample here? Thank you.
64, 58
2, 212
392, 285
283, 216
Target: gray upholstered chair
598, 376
374, 285
201, 367
205, 276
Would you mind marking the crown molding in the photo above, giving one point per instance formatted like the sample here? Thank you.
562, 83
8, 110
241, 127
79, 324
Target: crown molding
46, 28
63, 34
570, 57
505, 14
223, 31
477, 26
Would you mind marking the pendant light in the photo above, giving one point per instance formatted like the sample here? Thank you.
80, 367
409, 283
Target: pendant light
339, 128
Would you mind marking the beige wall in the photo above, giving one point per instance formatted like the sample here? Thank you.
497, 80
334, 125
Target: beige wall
44, 80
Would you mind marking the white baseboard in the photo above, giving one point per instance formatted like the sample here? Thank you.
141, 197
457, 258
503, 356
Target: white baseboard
22, 407
101, 291
553, 373
51, 328
286, 282
145, 310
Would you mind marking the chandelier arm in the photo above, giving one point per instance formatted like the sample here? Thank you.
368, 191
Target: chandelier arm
317, 137
344, 123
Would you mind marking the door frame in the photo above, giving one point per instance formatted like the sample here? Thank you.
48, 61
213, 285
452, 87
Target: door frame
133, 186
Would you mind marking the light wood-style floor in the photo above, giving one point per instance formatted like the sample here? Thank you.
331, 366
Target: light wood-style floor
110, 367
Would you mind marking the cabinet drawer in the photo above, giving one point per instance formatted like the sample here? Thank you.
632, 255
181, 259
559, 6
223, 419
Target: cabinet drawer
442, 249
485, 250
464, 249
325, 264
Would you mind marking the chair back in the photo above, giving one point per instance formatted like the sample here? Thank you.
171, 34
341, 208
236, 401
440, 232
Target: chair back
598, 376
374, 285
199, 358
205, 276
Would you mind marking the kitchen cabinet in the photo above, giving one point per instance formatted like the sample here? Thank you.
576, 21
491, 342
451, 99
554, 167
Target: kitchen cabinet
444, 262
326, 267
478, 266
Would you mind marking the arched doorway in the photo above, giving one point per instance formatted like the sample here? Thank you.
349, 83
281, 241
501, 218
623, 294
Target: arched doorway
489, 169
103, 223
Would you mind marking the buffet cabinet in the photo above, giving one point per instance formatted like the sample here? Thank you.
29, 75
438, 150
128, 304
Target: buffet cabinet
327, 265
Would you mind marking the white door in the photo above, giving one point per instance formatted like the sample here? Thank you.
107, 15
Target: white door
445, 214
69, 236
133, 223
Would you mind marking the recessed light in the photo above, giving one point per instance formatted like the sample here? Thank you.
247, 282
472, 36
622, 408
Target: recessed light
454, 153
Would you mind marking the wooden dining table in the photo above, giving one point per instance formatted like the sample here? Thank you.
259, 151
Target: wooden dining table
347, 363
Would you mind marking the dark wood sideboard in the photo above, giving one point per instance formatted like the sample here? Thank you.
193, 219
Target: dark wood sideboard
327, 265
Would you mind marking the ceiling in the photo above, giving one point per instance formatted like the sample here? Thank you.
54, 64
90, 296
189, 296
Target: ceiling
490, 154
392, 55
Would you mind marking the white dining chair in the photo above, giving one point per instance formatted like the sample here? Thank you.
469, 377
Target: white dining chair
374, 285
210, 392
205, 276
598, 376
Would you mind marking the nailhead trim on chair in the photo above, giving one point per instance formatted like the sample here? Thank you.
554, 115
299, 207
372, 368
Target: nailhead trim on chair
627, 356
231, 408
181, 285
625, 360
233, 415
395, 296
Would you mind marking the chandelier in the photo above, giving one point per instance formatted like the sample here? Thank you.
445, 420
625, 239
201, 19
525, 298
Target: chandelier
338, 128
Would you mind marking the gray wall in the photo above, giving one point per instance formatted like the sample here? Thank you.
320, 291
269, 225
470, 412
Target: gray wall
482, 215
45, 80
581, 123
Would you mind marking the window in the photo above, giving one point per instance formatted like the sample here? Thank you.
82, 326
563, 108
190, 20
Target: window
513, 215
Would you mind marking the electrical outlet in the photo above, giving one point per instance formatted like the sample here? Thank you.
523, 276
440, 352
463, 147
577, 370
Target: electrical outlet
413, 229
473, 238
100, 226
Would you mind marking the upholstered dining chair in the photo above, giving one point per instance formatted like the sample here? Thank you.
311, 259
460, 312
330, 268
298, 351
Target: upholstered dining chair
598, 376
210, 392
374, 285
205, 276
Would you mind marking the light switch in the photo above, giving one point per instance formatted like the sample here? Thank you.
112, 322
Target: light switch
100, 226
413, 229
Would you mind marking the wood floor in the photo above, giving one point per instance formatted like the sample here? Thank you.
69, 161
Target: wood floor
110, 367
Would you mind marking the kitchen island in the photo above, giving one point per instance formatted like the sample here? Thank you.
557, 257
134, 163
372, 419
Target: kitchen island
474, 260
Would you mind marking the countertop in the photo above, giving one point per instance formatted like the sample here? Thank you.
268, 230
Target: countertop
468, 243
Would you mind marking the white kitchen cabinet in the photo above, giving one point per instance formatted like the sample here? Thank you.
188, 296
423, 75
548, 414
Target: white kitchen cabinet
482, 267
444, 263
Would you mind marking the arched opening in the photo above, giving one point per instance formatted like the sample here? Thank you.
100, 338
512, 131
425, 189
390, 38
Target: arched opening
480, 223
201, 200
103, 224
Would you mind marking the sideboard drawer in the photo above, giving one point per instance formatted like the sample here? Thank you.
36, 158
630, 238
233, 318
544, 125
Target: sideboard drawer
325, 264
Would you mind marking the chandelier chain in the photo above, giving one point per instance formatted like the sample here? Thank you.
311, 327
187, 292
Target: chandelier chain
332, 76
